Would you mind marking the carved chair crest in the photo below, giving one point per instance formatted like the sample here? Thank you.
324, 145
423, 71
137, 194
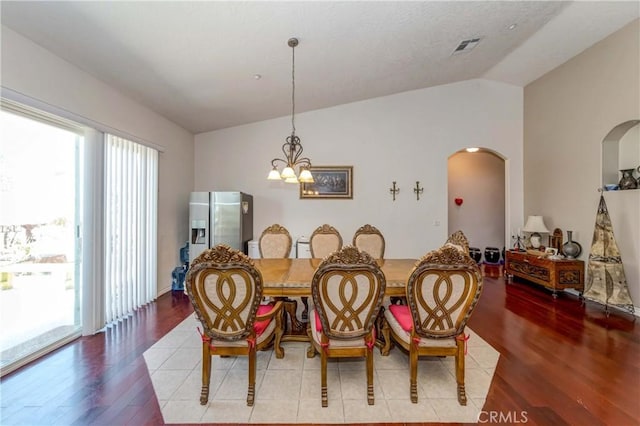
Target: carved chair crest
225, 289
460, 240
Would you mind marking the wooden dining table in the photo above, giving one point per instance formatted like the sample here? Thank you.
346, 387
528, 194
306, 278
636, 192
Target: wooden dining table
286, 278
292, 277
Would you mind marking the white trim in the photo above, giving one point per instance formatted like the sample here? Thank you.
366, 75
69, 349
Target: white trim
636, 309
35, 355
40, 116
28, 101
92, 234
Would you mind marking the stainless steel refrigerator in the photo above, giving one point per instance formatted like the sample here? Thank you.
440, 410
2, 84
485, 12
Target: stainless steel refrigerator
219, 218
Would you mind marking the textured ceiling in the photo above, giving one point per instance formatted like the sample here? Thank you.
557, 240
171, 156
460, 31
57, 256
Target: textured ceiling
194, 62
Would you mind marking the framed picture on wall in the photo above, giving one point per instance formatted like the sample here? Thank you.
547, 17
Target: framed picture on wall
329, 182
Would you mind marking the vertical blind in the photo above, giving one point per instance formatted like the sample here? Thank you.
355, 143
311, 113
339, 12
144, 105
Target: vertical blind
130, 219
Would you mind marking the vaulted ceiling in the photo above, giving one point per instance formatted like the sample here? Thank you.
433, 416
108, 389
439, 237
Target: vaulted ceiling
197, 63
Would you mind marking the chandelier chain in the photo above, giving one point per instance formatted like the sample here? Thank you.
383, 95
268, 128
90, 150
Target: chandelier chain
292, 148
293, 91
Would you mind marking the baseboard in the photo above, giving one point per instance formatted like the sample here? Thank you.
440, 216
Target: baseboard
636, 309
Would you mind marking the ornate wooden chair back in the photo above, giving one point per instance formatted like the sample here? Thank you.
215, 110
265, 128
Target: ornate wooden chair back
325, 240
275, 242
369, 239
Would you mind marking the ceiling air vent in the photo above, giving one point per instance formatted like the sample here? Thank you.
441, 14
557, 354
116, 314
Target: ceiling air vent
466, 45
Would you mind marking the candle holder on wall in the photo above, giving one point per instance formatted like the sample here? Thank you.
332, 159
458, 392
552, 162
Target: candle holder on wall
418, 190
394, 190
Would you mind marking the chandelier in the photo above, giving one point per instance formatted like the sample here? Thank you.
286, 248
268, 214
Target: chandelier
292, 148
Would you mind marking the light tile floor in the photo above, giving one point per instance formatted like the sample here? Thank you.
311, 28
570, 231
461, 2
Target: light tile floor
288, 389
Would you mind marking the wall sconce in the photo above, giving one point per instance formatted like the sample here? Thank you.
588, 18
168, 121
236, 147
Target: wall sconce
418, 190
458, 201
394, 190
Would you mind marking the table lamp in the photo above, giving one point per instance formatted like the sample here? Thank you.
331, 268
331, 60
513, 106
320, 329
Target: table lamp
535, 225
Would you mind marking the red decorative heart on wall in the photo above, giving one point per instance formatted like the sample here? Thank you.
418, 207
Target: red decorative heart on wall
458, 201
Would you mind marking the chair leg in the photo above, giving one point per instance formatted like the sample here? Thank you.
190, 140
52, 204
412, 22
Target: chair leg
323, 379
413, 361
370, 398
279, 331
311, 350
384, 351
206, 373
252, 377
462, 395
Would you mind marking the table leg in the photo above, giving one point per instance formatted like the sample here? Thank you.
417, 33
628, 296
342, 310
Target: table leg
294, 329
305, 311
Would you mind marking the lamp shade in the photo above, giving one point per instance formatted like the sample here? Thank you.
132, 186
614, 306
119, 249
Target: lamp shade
288, 173
306, 176
274, 174
535, 224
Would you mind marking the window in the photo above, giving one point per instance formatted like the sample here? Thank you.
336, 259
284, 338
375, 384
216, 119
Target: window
40, 205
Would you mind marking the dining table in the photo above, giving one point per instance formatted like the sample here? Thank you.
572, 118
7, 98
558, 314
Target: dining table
283, 279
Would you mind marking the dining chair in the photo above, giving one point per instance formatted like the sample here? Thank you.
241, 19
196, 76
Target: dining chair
225, 289
324, 240
275, 242
347, 290
442, 292
368, 238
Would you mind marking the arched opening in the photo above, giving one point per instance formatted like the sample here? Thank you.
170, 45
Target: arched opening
621, 151
477, 197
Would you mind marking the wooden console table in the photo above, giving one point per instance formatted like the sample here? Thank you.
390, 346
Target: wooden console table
553, 274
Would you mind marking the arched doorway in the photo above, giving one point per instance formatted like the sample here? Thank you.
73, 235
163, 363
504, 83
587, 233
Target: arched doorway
476, 197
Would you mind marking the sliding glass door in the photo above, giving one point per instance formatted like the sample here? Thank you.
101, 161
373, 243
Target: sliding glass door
40, 204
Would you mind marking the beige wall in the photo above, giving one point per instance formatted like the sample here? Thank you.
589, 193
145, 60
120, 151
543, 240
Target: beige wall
30, 70
406, 137
567, 114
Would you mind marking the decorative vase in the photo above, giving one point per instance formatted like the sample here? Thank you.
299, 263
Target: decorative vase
571, 249
475, 254
627, 181
492, 255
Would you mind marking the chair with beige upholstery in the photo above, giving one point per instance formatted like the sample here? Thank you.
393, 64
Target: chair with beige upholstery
225, 289
347, 290
442, 292
368, 238
275, 242
324, 240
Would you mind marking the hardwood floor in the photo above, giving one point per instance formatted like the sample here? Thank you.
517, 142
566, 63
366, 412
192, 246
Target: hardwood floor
561, 363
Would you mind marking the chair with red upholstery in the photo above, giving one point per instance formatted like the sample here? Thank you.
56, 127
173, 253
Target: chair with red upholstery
225, 289
442, 292
347, 290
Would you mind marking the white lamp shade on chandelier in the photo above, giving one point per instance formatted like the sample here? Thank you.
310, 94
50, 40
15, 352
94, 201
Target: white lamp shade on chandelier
535, 225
